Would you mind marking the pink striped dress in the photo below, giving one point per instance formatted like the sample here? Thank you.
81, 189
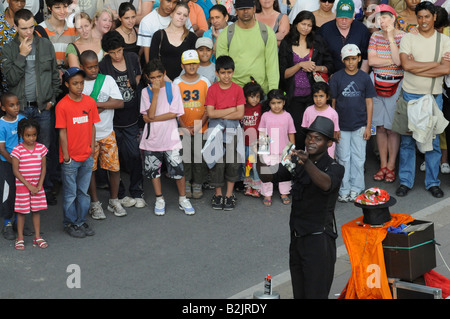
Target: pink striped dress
30, 162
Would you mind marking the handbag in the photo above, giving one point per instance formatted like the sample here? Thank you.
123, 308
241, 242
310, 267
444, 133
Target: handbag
385, 88
318, 76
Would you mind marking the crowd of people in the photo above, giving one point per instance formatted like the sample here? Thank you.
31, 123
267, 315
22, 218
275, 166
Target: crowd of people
193, 89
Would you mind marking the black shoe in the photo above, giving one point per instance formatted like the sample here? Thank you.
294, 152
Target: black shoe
75, 231
239, 186
229, 203
8, 232
436, 191
402, 190
87, 230
51, 199
217, 202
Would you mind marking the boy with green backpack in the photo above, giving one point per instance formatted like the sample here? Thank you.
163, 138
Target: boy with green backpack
104, 90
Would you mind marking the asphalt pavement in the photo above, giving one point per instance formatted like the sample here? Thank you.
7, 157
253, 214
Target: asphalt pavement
210, 255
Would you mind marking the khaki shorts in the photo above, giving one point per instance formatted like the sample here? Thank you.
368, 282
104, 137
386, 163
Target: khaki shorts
107, 153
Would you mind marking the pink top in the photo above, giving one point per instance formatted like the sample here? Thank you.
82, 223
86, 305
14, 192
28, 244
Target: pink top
30, 162
277, 126
310, 115
164, 135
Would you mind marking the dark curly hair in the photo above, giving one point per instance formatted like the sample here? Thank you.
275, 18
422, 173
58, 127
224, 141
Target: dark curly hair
112, 40
26, 123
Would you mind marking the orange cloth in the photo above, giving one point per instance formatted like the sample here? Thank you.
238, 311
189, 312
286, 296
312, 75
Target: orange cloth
365, 249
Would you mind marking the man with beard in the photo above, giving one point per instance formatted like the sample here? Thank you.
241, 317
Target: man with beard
253, 48
316, 179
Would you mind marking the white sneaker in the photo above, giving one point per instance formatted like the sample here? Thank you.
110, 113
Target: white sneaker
445, 168
160, 207
115, 207
186, 206
352, 196
422, 167
344, 198
127, 201
96, 210
140, 202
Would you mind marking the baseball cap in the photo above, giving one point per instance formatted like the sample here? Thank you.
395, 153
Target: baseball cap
204, 42
385, 8
350, 50
244, 4
345, 9
189, 56
70, 72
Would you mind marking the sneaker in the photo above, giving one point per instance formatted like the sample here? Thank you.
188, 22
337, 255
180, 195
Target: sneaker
115, 207
196, 191
352, 196
188, 189
96, 210
140, 202
229, 203
51, 199
344, 198
217, 202
160, 206
74, 231
422, 167
186, 206
87, 230
8, 232
445, 168
127, 201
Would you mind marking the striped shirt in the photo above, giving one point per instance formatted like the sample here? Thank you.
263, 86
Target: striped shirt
382, 48
60, 40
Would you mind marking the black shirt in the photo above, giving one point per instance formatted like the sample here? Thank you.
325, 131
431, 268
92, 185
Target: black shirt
312, 208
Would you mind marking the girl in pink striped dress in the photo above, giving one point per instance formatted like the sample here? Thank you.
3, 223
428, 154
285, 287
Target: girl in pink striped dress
28, 162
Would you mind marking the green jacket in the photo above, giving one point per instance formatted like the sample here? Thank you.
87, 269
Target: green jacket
48, 81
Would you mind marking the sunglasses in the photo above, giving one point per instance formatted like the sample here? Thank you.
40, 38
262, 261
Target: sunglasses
329, 1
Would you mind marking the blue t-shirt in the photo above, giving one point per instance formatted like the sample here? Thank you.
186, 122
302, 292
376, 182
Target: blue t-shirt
8, 134
359, 34
350, 92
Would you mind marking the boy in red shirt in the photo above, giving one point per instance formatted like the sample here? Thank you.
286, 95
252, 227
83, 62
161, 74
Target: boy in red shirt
76, 114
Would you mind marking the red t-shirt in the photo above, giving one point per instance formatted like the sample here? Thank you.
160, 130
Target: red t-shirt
77, 118
225, 98
250, 122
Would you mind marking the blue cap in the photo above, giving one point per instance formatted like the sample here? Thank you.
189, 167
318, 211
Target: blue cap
71, 72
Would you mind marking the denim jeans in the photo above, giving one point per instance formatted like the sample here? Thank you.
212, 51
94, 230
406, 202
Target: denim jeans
76, 177
351, 153
45, 136
407, 155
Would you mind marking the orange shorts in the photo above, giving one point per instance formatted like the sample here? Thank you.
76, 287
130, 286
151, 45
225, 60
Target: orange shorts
107, 153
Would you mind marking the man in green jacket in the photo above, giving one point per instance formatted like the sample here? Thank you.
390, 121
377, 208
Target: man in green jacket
31, 73
253, 49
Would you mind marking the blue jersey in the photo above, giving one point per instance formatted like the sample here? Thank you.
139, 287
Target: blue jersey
8, 133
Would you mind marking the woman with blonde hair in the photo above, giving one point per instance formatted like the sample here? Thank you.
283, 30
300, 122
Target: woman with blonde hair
83, 25
102, 23
169, 44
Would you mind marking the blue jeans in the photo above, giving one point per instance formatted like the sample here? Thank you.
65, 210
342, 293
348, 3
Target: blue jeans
45, 136
76, 177
407, 158
351, 153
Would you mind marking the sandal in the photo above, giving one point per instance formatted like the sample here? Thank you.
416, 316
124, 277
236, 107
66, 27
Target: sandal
19, 244
267, 202
256, 192
380, 175
285, 199
40, 242
248, 191
390, 176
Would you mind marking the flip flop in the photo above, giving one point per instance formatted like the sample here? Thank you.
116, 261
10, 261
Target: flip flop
267, 202
285, 199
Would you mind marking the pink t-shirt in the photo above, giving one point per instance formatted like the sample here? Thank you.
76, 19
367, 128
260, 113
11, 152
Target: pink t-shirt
164, 135
310, 115
278, 127
30, 162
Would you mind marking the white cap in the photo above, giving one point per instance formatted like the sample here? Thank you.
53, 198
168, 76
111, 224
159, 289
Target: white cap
189, 56
204, 42
350, 50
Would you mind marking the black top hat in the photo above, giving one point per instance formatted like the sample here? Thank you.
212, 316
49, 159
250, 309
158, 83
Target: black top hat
322, 125
377, 212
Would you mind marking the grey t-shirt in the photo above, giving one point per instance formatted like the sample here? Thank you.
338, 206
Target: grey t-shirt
30, 75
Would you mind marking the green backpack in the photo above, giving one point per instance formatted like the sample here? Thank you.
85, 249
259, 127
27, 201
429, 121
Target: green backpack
262, 29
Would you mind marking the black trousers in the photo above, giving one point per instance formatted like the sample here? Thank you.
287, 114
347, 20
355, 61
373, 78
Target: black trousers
311, 262
296, 108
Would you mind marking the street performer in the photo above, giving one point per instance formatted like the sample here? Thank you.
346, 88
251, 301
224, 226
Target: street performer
316, 179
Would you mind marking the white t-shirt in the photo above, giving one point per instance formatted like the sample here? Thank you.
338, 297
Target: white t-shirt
109, 89
151, 23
